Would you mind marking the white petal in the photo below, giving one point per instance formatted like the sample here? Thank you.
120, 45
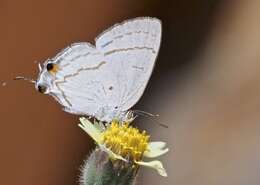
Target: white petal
155, 149
157, 165
157, 144
99, 125
91, 130
111, 154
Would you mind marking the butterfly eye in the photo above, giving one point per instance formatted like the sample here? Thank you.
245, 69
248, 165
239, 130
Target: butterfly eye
50, 66
42, 89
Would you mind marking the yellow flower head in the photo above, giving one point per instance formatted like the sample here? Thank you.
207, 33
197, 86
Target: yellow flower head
124, 142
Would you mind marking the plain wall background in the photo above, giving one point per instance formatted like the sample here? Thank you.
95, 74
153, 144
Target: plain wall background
205, 87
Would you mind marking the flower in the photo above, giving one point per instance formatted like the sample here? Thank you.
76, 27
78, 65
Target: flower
123, 142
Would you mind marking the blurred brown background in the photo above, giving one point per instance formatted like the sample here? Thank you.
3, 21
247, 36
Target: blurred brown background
205, 87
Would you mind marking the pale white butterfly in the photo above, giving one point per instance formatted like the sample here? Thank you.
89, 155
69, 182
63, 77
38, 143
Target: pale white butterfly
106, 80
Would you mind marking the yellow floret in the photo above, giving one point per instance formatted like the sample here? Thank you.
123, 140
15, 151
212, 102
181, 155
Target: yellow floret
125, 140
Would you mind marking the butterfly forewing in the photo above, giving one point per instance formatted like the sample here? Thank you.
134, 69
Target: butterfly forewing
131, 48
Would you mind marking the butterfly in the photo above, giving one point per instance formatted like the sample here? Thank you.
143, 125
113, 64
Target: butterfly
104, 81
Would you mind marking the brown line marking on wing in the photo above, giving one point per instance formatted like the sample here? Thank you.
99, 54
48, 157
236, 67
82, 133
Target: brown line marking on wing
128, 33
137, 67
73, 75
128, 49
76, 57
63, 95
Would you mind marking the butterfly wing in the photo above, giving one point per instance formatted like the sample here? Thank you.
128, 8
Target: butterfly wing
131, 49
106, 80
76, 85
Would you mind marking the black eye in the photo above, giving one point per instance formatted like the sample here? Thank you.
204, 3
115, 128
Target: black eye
50, 66
42, 89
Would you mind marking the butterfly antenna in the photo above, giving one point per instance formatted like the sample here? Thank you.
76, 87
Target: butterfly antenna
146, 113
24, 78
150, 116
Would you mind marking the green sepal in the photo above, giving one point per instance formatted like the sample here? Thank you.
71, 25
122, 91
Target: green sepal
100, 170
